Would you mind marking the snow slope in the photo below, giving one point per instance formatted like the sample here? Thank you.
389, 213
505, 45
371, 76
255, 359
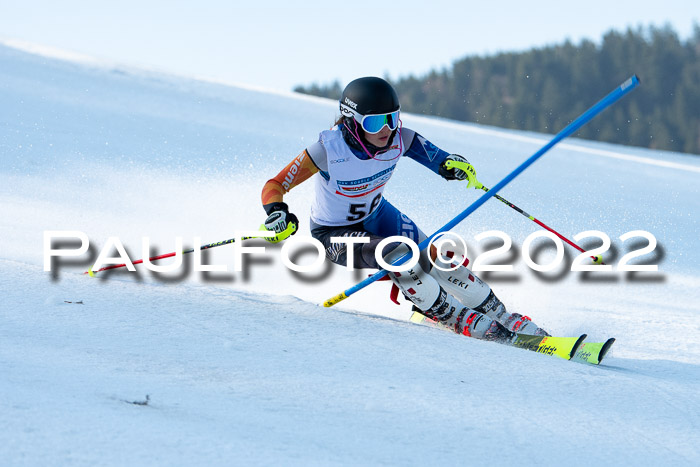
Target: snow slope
245, 368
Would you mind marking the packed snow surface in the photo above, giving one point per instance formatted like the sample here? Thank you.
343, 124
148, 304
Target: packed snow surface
244, 367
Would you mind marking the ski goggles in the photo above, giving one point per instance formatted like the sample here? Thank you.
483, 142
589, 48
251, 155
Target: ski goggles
373, 124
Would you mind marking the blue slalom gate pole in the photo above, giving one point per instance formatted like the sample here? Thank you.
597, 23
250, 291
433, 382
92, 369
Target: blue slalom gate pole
584, 118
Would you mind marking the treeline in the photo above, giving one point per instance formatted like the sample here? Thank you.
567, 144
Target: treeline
544, 89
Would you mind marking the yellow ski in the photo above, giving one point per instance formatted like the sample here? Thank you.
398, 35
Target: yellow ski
563, 347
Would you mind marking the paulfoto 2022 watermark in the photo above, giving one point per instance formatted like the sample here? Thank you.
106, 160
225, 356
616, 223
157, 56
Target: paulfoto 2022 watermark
450, 251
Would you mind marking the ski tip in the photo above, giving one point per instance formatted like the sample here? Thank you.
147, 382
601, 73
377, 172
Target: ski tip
604, 350
578, 343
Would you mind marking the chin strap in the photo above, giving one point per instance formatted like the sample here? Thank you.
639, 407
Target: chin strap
355, 135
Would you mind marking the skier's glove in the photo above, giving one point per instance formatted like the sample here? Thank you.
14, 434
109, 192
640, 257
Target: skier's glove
456, 167
280, 221
453, 173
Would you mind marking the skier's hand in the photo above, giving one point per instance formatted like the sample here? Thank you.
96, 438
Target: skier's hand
456, 167
454, 173
280, 221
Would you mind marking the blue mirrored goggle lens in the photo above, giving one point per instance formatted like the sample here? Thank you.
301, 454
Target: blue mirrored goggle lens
375, 123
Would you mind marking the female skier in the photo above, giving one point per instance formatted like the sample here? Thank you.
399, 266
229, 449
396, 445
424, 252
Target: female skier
354, 160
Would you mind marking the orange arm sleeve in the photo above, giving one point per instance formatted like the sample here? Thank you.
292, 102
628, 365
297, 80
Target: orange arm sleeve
296, 172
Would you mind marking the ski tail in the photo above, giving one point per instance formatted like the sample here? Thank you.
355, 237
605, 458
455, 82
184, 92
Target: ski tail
420, 318
593, 352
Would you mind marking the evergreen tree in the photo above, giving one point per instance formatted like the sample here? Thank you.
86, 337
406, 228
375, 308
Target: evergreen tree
544, 89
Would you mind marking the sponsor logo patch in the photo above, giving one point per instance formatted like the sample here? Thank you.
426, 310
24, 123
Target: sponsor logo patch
364, 185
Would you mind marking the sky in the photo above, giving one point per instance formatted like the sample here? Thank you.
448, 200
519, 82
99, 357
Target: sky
279, 44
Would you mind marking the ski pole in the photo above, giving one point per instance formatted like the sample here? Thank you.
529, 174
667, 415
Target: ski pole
598, 259
581, 120
277, 238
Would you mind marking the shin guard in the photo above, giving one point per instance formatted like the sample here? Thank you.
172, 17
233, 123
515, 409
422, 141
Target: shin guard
463, 284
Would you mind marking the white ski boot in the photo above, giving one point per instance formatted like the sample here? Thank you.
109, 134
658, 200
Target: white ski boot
433, 301
476, 294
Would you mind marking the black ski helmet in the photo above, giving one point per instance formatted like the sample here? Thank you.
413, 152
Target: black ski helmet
368, 96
